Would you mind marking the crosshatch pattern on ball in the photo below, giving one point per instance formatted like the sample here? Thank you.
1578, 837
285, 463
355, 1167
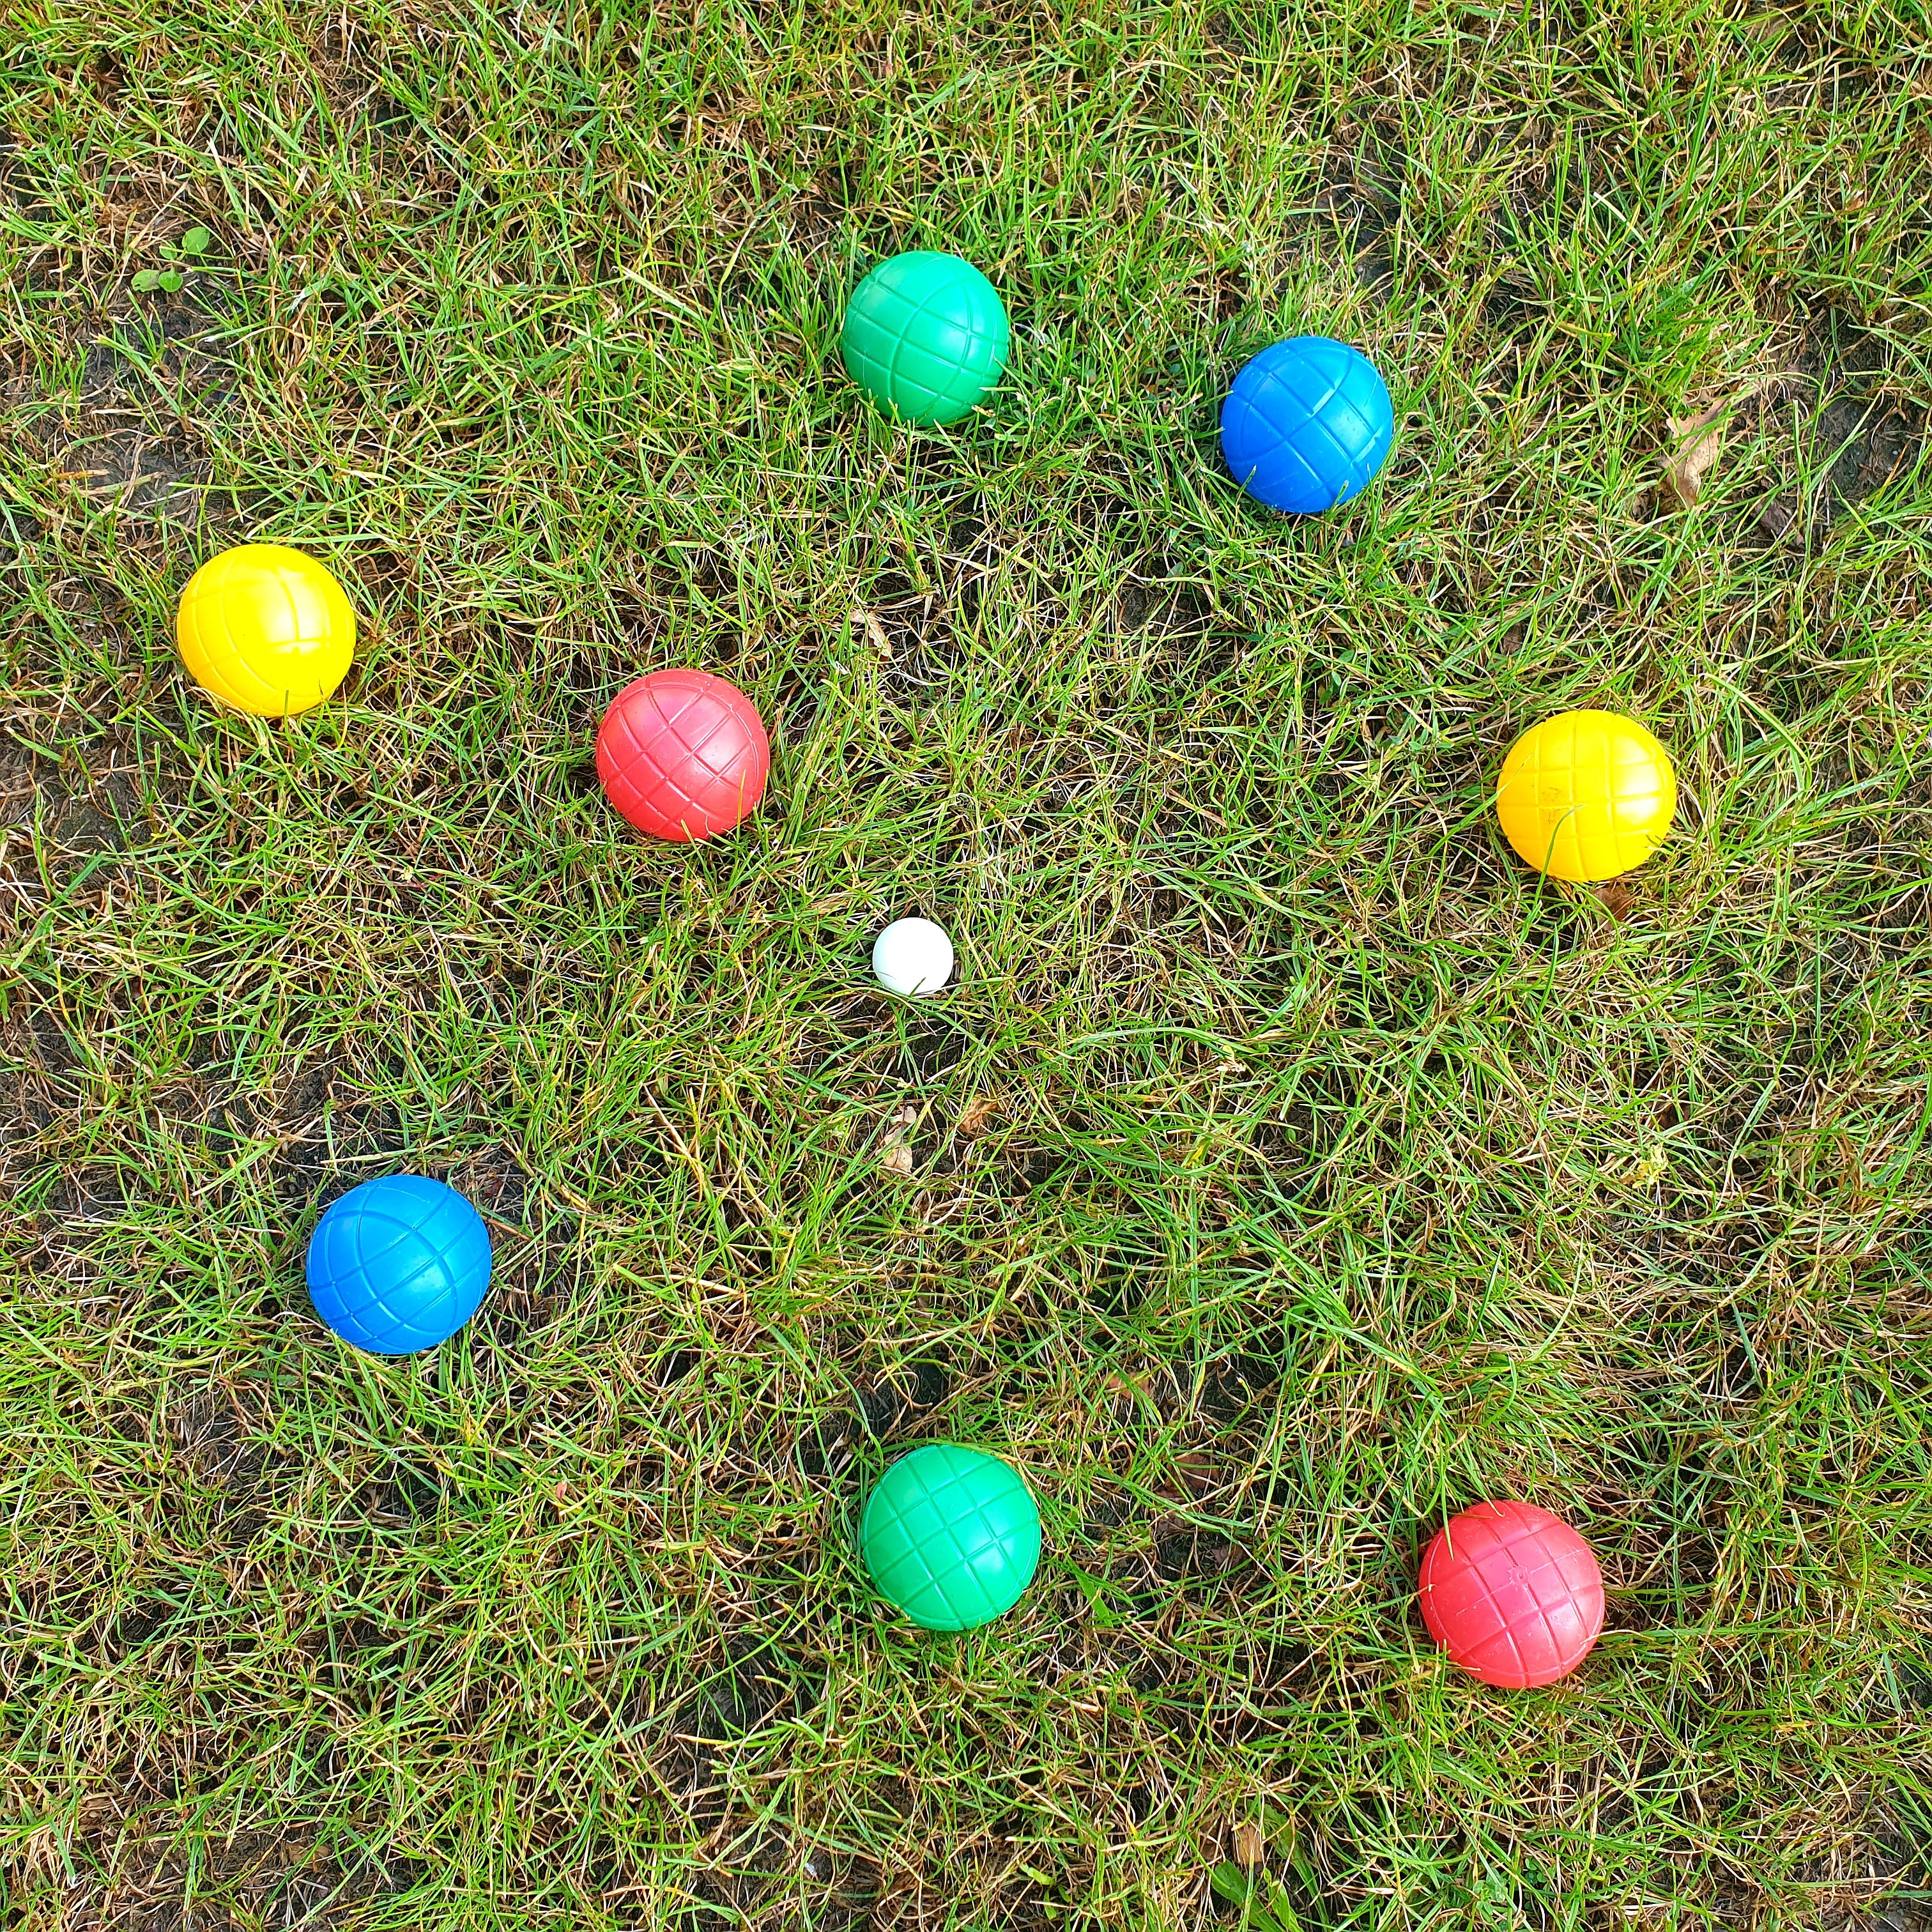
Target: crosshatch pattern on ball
683, 754
398, 1264
1513, 1594
951, 1536
1586, 796
1307, 425
266, 628
925, 335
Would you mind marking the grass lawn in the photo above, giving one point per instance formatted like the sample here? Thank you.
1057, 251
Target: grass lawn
1290, 1165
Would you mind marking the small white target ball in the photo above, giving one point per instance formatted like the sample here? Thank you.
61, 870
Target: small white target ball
912, 955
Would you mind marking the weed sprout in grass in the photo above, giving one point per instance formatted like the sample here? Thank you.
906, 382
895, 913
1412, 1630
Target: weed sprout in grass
191, 247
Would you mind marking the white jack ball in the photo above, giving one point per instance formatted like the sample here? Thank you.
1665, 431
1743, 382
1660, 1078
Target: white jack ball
912, 955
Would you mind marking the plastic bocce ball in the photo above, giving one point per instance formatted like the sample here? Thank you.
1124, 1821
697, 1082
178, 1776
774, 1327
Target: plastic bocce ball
912, 955
1513, 1594
265, 629
1307, 425
683, 754
951, 1537
398, 1265
1586, 795
926, 337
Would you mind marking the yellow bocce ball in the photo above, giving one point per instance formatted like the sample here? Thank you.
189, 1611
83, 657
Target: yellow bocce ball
1586, 795
267, 629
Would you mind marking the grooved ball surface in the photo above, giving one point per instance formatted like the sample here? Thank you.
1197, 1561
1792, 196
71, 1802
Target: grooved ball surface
1307, 425
1513, 1594
950, 1536
266, 629
682, 755
926, 337
398, 1264
1586, 795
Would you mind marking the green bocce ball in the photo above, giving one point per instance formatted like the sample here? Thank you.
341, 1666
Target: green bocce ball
951, 1536
926, 337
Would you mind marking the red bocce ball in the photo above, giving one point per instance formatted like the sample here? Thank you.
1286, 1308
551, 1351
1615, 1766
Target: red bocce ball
682, 755
1513, 1594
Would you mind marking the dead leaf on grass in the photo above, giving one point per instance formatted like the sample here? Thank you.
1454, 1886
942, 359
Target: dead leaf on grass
896, 1155
1698, 439
1249, 1849
875, 632
977, 1113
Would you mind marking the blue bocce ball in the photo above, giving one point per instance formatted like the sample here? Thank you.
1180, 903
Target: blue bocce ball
398, 1265
1307, 424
